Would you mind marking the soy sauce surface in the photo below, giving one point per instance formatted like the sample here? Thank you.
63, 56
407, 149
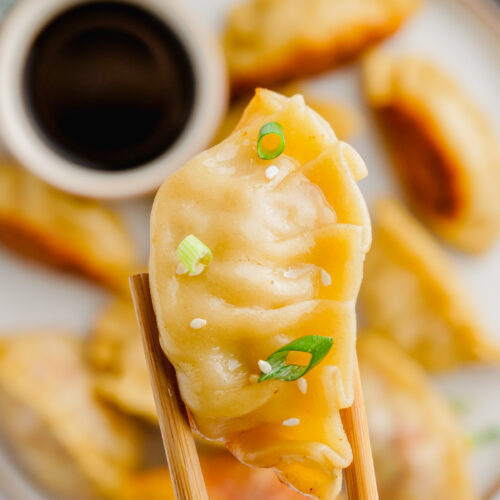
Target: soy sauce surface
109, 85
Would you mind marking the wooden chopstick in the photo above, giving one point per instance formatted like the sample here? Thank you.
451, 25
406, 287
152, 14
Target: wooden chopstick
182, 457
360, 475
178, 440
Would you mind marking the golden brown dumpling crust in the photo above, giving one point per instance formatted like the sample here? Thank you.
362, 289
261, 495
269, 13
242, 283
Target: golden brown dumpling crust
418, 448
412, 294
445, 152
120, 372
271, 41
270, 240
64, 231
44, 373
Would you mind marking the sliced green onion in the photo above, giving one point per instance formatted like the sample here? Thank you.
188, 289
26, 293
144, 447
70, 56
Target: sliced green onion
194, 255
273, 128
317, 345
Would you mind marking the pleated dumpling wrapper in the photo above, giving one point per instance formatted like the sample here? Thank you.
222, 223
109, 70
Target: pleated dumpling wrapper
271, 41
65, 231
72, 444
288, 238
117, 358
445, 151
413, 294
418, 448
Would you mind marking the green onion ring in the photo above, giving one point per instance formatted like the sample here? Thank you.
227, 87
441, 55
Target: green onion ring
194, 254
270, 128
317, 345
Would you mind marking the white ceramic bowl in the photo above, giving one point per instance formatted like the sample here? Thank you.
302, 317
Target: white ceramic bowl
21, 138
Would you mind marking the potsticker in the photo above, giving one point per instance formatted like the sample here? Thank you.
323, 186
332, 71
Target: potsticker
58, 431
414, 295
418, 448
445, 151
257, 250
272, 41
65, 231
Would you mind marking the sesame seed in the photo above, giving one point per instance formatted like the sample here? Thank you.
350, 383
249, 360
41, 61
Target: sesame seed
272, 172
291, 422
265, 367
198, 323
302, 383
181, 269
326, 279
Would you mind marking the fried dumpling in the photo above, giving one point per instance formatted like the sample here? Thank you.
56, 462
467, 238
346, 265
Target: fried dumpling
117, 357
418, 447
445, 152
288, 253
270, 41
412, 294
61, 435
65, 231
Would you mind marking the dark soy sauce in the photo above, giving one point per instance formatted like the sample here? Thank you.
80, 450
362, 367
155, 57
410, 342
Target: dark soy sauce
108, 85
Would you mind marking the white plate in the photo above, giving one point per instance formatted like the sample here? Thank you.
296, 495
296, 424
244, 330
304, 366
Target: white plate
444, 30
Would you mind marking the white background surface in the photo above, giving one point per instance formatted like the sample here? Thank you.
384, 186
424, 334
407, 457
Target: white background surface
32, 296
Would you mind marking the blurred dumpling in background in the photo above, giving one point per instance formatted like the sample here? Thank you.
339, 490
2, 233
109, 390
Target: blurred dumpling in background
445, 151
225, 478
271, 41
117, 358
412, 294
65, 231
418, 448
52, 423
288, 251
344, 121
